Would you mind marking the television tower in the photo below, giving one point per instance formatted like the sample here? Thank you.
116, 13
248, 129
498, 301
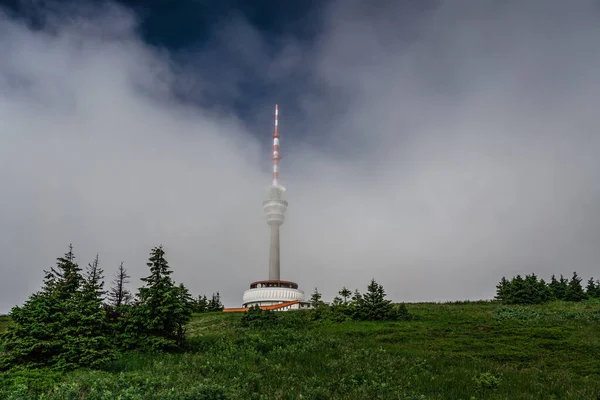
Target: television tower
273, 293
275, 206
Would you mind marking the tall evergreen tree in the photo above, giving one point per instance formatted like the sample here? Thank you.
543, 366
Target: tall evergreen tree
591, 288
119, 294
356, 297
502, 289
315, 299
345, 293
161, 312
92, 345
201, 304
214, 304
373, 305
337, 301
61, 325
574, 290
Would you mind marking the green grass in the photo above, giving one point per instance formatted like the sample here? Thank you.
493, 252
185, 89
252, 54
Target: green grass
478, 350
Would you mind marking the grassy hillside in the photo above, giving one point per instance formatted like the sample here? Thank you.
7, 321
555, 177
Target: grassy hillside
451, 351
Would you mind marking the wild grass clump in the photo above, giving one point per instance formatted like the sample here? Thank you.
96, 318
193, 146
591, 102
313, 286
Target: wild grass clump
517, 313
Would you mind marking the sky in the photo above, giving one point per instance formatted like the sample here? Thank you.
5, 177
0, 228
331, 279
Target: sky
433, 146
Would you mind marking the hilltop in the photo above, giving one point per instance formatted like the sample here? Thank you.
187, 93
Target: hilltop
469, 350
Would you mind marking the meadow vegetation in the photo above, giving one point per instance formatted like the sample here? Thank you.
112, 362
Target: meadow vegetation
469, 350
70, 342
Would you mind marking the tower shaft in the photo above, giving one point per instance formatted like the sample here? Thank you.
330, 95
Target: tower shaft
274, 260
275, 206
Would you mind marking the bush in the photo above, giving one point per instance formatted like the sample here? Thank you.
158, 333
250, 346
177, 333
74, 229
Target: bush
400, 313
487, 381
256, 317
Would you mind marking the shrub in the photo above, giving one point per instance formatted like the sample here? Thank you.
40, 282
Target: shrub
487, 381
256, 317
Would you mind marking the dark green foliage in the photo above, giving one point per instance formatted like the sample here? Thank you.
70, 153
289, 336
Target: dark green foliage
91, 321
255, 317
63, 325
575, 290
558, 288
200, 304
157, 320
119, 294
345, 293
203, 304
214, 304
533, 291
503, 289
315, 299
590, 289
356, 296
373, 306
400, 313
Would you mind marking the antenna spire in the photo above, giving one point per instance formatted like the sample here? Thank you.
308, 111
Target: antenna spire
276, 157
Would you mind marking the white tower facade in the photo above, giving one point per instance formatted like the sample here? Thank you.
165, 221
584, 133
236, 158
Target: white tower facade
274, 291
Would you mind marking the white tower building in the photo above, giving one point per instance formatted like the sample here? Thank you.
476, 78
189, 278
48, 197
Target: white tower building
274, 291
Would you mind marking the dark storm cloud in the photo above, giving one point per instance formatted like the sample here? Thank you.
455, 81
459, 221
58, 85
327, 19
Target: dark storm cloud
440, 149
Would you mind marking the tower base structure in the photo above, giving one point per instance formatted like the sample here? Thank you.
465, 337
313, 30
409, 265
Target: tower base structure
275, 292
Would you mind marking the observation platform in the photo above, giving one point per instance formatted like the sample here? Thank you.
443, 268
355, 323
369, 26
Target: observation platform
274, 292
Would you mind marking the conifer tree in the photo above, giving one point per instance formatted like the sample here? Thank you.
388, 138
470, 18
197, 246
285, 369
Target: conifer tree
563, 284
553, 286
502, 289
356, 297
315, 299
89, 317
345, 293
119, 294
201, 304
590, 289
574, 290
160, 312
214, 304
61, 325
373, 305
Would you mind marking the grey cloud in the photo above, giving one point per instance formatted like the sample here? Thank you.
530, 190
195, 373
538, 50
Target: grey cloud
439, 151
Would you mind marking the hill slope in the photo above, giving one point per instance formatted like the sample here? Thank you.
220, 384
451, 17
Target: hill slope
478, 350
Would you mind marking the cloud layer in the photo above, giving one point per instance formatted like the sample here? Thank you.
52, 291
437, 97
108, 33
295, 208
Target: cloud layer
435, 150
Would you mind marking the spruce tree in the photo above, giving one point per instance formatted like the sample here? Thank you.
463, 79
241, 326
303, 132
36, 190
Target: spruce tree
563, 284
502, 289
119, 294
92, 346
315, 299
337, 301
553, 286
373, 306
160, 313
574, 290
590, 289
214, 304
201, 304
345, 293
60, 326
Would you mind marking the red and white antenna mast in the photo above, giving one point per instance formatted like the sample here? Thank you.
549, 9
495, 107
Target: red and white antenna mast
276, 156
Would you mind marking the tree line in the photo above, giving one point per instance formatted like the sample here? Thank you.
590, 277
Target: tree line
348, 306
73, 322
531, 290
